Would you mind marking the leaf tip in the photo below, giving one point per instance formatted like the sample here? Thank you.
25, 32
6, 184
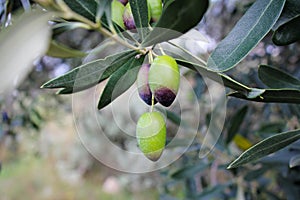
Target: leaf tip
230, 166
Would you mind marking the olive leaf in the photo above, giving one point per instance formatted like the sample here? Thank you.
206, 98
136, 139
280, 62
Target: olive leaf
88, 9
177, 18
89, 74
120, 81
218, 77
247, 33
140, 14
266, 147
235, 123
287, 33
270, 95
275, 78
61, 51
290, 10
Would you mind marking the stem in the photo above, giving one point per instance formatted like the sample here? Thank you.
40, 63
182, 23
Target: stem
184, 50
152, 103
161, 49
70, 14
150, 56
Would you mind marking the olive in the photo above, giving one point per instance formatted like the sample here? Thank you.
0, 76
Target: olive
151, 134
117, 10
164, 79
155, 9
124, 2
128, 17
143, 84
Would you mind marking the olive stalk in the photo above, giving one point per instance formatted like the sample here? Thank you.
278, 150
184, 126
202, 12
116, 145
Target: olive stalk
69, 14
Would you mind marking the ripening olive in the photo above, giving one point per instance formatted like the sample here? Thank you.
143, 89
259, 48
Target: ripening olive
117, 10
164, 79
143, 84
128, 17
151, 134
124, 2
155, 8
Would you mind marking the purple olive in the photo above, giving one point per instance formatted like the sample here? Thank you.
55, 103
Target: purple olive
124, 2
128, 18
143, 85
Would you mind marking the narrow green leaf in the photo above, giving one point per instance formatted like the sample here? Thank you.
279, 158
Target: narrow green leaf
275, 78
218, 77
62, 51
271, 127
266, 147
140, 14
235, 123
290, 10
287, 33
190, 171
85, 8
120, 81
177, 18
271, 96
246, 34
91, 73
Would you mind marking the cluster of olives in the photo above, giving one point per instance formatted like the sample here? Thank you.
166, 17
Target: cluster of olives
157, 82
121, 13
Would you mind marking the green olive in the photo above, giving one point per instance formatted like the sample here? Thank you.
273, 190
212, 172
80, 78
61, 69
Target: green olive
117, 10
164, 79
155, 8
151, 134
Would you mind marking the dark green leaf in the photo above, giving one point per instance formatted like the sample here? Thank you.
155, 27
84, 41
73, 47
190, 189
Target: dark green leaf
62, 51
246, 34
287, 33
275, 78
90, 74
120, 81
88, 9
235, 123
177, 18
218, 77
266, 147
290, 10
140, 14
190, 171
271, 96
